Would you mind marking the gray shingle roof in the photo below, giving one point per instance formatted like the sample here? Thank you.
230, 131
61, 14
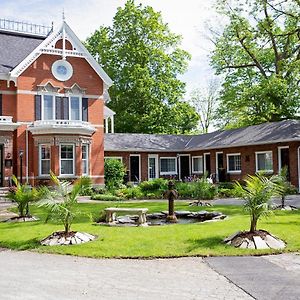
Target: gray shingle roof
14, 48
283, 131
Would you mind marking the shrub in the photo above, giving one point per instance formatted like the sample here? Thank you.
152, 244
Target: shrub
158, 184
204, 190
23, 194
185, 189
131, 193
105, 197
86, 188
114, 172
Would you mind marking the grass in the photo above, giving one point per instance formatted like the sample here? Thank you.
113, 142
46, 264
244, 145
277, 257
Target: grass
200, 239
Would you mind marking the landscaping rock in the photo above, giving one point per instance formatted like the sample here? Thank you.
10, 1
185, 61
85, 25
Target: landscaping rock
254, 240
74, 238
22, 219
182, 213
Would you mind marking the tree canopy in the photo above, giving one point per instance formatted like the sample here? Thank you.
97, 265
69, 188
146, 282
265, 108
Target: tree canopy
144, 58
258, 53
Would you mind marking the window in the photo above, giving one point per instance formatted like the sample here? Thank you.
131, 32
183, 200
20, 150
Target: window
85, 160
67, 160
168, 165
61, 108
48, 107
234, 163
197, 164
264, 161
44, 159
75, 108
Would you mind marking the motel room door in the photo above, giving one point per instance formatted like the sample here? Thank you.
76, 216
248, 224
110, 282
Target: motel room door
184, 163
135, 168
284, 159
1, 166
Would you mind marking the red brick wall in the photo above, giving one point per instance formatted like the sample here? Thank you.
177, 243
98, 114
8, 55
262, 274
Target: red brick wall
248, 166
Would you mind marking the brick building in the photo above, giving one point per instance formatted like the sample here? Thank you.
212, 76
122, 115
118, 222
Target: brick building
52, 94
53, 116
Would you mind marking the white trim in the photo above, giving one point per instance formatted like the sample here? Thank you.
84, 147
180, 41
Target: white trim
197, 172
168, 173
155, 156
114, 157
179, 165
40, 160
140, 166
86, 160
298, 152
217, 165
46, 47
204, 161
227, 161
74, 159
279, 156
7, 92
256, 161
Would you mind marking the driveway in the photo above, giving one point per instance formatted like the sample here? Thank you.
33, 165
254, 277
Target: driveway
28, 275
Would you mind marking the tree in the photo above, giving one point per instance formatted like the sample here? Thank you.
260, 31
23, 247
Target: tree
62, 202
257, 194
205, 102
259, 55
144, 58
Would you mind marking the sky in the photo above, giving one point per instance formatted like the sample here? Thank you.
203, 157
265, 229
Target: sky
188, 18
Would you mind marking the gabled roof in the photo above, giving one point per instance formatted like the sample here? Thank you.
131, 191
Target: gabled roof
14, 48
267, 133
26, 49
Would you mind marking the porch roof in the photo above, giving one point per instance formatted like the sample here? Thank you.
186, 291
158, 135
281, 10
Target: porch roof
266, 133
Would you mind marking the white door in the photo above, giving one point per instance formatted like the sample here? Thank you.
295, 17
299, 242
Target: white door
152, 166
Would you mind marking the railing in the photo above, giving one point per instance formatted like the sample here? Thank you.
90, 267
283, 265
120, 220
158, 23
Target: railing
6, 119
62, 123
24, 27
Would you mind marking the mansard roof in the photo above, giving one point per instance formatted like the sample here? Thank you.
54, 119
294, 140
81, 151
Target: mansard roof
14, 48
266, 133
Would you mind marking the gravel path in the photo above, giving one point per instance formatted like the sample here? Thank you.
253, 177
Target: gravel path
28, 275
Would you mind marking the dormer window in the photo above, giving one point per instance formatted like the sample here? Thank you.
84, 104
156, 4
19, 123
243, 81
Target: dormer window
48, 108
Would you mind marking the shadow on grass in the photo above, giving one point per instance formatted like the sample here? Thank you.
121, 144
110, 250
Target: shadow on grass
210, 243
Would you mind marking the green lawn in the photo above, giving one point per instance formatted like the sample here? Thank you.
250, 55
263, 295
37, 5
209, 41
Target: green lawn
204, 239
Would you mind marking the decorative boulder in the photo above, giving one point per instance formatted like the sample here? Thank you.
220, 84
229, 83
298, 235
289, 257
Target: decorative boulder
73, 238
259, 239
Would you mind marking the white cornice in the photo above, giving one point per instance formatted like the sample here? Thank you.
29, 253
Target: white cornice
48, 47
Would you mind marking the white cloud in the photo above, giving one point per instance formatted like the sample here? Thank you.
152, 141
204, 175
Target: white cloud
186, 18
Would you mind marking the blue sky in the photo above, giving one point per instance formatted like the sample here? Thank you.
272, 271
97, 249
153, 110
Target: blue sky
188, 18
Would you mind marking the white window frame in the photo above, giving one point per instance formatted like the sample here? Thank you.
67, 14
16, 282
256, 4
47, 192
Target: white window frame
54, 95
155, 156
279, 156
168, 173
74, 160
227, 161
256, 161
40, 160
193, 170
87, 160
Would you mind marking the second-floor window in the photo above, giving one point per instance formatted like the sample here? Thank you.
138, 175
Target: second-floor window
61, 108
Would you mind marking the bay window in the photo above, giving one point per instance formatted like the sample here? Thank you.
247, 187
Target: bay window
44, 159
85, 160
67, 159
168, 165
75, 108
48, 107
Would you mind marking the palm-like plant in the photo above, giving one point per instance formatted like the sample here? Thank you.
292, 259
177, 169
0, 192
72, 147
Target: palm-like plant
62, 202
23, 194
282, 180
257, 194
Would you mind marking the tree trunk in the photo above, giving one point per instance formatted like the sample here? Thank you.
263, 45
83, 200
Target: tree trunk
282, 201
253, 224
